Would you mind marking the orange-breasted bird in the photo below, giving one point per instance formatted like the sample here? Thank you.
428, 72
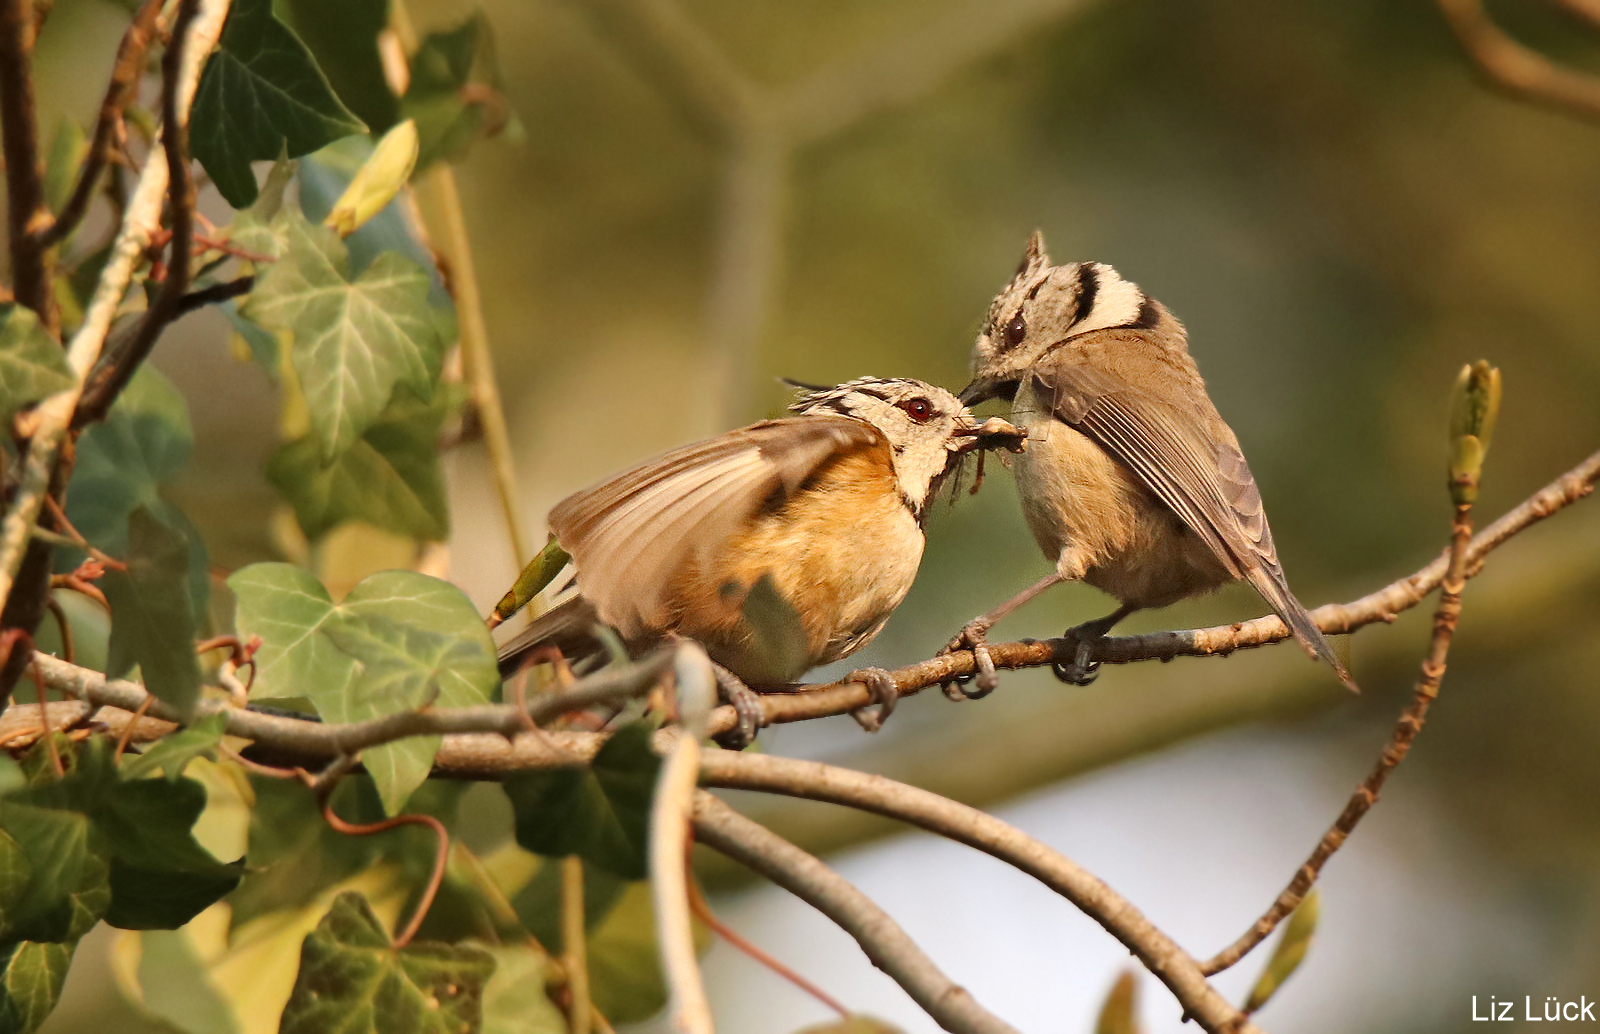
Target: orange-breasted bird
778, 547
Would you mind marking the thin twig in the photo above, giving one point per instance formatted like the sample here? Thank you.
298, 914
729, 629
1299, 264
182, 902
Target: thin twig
1519, 70
574, 945
26, 211
214, 294
1445, 616
64, 628
669, 844
816, 781
44, 718
143, 217
75, 537
127, 730
441, 857
476, 356
886, 944
124, 83
108, 379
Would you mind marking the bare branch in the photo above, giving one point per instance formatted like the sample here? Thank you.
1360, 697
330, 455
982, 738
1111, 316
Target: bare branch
885, 943
26, 212
819, 782
108, 378
669, 846
51, 418
1445, 617
304, 739
1519, 70
124, 80
809, 702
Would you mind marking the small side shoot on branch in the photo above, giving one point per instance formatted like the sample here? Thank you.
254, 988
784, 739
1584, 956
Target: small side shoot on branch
1474, 406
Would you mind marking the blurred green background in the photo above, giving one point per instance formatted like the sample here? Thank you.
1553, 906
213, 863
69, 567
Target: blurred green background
1340, 213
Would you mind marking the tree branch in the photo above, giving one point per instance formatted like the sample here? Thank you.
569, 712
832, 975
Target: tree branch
977, 829
26, 212
110, 376
809, 702
885, 943
124, 82
669, 846
1519, 70
1445, 617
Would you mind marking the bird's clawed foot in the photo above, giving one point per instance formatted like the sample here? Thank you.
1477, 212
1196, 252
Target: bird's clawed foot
746, 704
974, 636
885, 691
1083, 668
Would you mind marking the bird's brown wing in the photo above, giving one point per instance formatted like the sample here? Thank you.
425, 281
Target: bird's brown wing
1200, 474
632, 534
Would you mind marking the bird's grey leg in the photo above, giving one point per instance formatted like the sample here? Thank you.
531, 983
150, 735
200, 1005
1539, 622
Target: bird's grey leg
746, 704
885, 691
974, 636
1081, 670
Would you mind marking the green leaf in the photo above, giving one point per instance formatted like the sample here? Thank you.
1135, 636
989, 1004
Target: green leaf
32, 366
68, 887
176, 987
67, 152
1290, 952
389, 478
122, 463
30, 986
344, 38
172, 753
514, 1001
352, 980
354, 341
625, 979
398, 641
256, 229
152, 618
1120, 1012
160, 875
263, 343
448, 122
261, 94
600, 812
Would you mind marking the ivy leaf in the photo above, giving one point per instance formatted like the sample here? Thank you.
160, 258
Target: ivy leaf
173, 752
67, 879
448, 118
67, 152
160, 875
389, 478
261, 93
398, 641
32, 365
255, 229
354, 341
514, 1001
122, 464
344, 38
600, 812
152, 619
354, 981
30, 983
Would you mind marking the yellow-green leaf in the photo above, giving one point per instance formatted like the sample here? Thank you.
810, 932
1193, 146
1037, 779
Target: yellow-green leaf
377, 182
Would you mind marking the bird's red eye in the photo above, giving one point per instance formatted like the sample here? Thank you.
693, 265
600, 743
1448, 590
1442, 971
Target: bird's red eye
918, 409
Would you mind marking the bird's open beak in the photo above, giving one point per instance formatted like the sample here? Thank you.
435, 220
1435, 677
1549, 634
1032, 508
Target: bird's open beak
975, 393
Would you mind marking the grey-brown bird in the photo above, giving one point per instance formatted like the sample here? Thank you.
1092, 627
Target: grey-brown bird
1131, 480
778, 547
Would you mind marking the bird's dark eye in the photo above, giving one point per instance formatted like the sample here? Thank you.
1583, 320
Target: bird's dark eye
1016, 330
918, 409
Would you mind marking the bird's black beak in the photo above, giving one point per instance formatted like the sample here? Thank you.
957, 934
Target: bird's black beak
975, 393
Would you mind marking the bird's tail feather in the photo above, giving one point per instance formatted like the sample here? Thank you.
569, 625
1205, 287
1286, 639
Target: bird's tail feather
1274, 588
569, 627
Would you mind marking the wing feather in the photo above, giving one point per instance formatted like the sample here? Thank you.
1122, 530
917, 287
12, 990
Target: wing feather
631, 535
1201, 475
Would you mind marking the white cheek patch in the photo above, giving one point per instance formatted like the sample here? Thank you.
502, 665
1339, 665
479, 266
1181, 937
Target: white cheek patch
1116, 303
